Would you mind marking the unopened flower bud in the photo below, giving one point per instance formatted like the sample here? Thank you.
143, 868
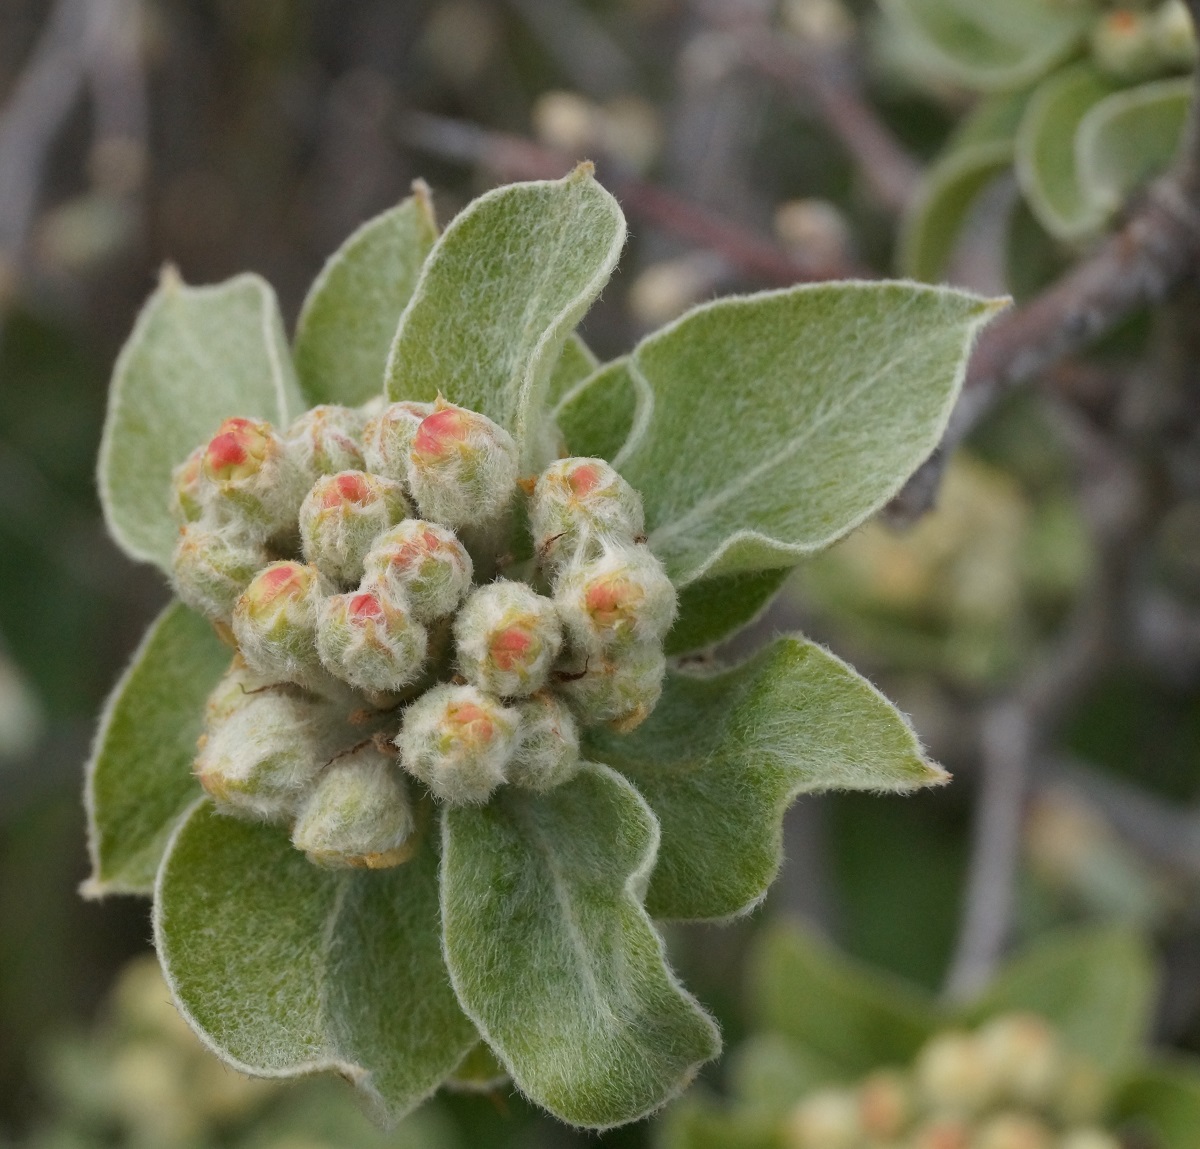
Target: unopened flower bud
507, 637
621, 689
1123, 44
885, 1105
275, 621
581, 501
1088, 1138
1013, 1130
547, 751
190, 490
341, 518
422, 564
254, 479
941, 1132
325, 440
358, 815
458, 741
388, 436
259, 758
622, 597
1174, 35
370, 641
462, 468
1024, 1057
954, 1074
212, 566
825, 1119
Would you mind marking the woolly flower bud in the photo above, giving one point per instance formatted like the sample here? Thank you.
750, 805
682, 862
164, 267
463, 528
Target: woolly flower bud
458, 742
254, 480
1123, 44
275, 621
954, 1074
462, 468
507, 637
325, 440
619, 689
1088, 1139
358, 815
423, 564
1013, 1130
212, 566
259, 755
370, 641
1024, 1056
825, 1119
1174, 35
941, 1133
547, 751
388, 436
342, 516
885, 1104
622, 597
190, 490
576, 501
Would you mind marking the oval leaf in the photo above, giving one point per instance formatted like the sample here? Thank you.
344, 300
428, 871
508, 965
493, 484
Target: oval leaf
554, 957
139, 777
1045, 156
197, 355
713, 609
722, 757
602, 415
349, 318
575, 363
284, 968
1163, 1099
783, 420
501, 291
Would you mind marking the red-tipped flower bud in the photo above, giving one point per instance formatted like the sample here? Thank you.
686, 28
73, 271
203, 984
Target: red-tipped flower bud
212, 566
325, 440
341, 518
370, 641
422, 564
1014, 1130
462, 468
547, 751
507, 637
275, 622
577, 505
458, 740
388, 437
358, 816
254, 479
191, 492
621, 689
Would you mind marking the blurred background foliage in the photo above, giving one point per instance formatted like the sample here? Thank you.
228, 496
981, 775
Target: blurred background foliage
752, 144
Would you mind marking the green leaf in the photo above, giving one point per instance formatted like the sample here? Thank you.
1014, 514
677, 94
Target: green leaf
1096, 986
197, 355
783, 420
600, 415
554, 958
722, 757
987, 46
713, 609
701, 1122
139, 777
1045, 157
1129, 137
843, 1013
772, 1072
575, 363
1163, 1098
502, 289
348, 321
284, 968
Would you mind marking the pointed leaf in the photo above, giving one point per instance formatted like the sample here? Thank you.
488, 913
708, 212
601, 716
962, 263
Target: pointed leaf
1045, 154
196, 356
986, 46
722, 757
601, 415
554, 958
1129, 137
501, 291
843, 1013
284, 968
348, 321
575, 363
783, 420
1163, 1099
139, 777
714, 609
1096, 986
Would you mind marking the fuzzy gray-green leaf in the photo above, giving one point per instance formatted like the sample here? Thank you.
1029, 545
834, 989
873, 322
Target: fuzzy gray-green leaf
502, 289
722, 757
197, 355
783, 420
601, 414
284, 968
139, 778
348, 321
714, 609
554, 957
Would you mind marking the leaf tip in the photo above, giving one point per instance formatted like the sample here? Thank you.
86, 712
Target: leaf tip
585, 170
931, 774
93, 889
169, 279
422, 196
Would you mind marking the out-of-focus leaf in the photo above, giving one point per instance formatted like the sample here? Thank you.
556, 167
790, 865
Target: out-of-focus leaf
771, 1072
1162, 1099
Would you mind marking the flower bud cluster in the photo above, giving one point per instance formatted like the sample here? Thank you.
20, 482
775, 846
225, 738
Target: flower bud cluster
330, 555
1010, 1084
